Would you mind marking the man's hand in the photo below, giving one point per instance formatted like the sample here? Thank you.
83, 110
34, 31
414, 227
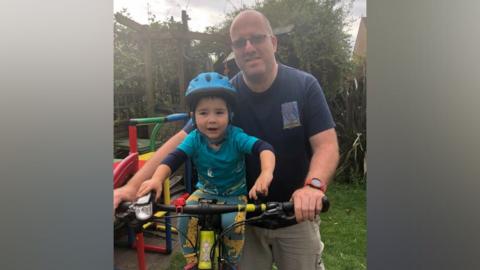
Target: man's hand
149, 185
261, 185
124, 193
308, 203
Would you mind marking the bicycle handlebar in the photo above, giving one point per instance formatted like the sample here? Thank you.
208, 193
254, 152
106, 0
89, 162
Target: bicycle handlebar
206, 208
283, 209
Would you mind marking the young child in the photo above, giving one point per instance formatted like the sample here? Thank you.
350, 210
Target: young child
217, 149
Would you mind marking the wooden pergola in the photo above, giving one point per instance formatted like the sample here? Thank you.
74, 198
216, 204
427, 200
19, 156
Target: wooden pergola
145, 35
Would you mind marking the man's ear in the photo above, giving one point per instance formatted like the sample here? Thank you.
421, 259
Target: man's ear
274, 42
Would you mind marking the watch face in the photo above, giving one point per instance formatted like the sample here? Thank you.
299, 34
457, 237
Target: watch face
316, 183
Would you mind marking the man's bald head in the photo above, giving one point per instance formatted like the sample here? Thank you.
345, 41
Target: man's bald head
250, 14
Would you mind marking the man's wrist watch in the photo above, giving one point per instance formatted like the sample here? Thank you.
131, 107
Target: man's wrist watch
316, 183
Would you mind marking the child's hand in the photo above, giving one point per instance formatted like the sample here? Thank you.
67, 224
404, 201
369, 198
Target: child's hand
148, 185
261, 185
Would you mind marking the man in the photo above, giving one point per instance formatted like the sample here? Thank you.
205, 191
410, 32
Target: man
285, 107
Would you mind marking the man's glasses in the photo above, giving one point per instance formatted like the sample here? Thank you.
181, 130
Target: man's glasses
254, 40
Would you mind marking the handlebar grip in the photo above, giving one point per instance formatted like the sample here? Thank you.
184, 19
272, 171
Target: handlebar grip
123, 207
325, 204
288, 207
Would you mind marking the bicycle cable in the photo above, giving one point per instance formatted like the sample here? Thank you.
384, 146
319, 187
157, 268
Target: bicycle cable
228, 229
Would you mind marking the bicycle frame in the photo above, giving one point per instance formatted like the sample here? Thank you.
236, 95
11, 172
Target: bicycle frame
209, 244
207, 239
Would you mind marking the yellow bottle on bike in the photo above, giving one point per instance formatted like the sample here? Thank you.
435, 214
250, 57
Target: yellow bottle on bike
207, 239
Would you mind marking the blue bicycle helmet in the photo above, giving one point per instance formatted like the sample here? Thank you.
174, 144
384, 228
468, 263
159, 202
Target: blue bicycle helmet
210, 84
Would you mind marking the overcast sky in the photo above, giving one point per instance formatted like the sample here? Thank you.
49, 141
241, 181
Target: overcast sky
205, 13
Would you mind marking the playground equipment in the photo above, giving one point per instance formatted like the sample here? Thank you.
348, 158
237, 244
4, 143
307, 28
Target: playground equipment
127, 167
123, 170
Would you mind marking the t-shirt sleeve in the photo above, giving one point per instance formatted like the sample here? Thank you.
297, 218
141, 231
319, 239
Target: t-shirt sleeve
243, 141
188, 144
188, 127
317, 113
260, 146
175, 159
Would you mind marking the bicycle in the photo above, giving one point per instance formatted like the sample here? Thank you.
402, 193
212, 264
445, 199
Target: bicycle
210, 233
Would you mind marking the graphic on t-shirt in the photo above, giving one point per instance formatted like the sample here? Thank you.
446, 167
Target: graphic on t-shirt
239, 166
291, 117
210, 172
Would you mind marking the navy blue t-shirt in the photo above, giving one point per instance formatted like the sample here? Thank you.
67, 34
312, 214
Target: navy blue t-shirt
293, 109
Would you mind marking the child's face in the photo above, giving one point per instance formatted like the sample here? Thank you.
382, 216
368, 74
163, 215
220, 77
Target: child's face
211, 117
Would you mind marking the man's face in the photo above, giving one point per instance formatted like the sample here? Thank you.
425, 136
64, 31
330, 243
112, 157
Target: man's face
256, 58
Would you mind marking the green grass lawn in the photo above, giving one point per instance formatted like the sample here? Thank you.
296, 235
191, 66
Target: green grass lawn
343, 230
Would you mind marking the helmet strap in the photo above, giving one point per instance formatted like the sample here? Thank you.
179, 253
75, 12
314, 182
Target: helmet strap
230, 116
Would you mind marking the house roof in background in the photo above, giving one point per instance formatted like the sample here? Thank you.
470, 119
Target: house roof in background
360, 48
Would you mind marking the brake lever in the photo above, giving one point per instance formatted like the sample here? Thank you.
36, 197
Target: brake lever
275, 210
124, 209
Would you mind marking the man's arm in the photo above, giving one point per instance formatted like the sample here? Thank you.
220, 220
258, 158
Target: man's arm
308, 200
129, 190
